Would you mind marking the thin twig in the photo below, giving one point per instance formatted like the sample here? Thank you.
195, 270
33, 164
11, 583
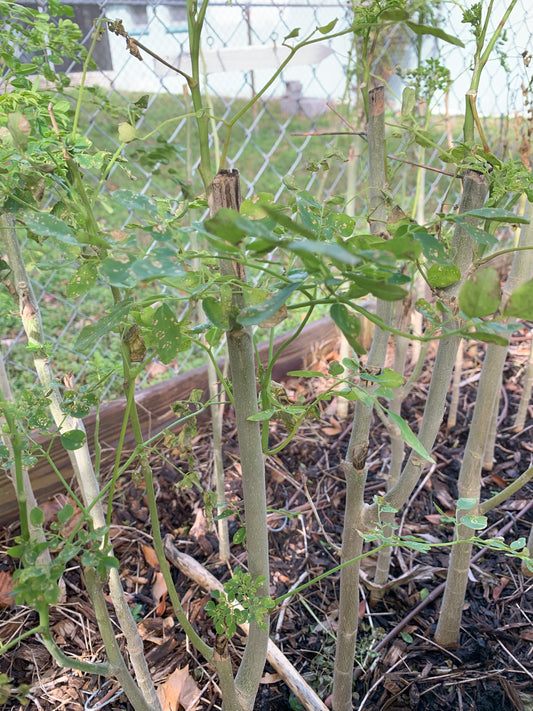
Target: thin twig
285, 603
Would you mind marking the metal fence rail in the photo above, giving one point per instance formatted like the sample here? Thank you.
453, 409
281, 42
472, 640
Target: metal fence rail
242, 44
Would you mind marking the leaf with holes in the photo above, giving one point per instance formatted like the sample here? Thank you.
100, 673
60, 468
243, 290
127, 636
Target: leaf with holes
166, 333
135, 201
92, 333
474, 522
349, 324
46, 225
252, 315
83, 279
443, 275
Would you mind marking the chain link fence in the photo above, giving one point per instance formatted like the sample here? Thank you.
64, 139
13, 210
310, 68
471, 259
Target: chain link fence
289, 133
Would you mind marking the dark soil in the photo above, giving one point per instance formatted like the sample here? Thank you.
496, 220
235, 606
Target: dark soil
399, 667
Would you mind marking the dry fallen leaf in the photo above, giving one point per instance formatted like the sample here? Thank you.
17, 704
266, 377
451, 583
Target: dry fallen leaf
6, 588
178, 691
270, 678
199, 529
155, 369
150, 557
159, 593
527, 634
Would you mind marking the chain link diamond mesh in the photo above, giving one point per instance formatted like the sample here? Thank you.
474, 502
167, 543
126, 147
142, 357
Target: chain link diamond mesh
242, 46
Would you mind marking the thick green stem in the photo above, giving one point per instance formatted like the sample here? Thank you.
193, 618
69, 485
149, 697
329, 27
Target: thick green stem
196, 20
352, 544
469, 483
101, 668
397, 453
475, 190
354, 466
481, 58
456, 387
118, 666
525, 396
377, 161
225, 193
503, 495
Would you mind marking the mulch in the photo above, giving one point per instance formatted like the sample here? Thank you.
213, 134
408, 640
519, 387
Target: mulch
399, 666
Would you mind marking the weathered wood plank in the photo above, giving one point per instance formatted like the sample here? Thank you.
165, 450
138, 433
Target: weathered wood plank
155, 411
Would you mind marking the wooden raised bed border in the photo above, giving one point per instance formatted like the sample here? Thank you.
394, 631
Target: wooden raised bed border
155, 411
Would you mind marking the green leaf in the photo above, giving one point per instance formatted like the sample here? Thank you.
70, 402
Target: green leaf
64, 514
499, 214
394, 14
481, 294
216, 312
409, 437
341, 223
252, 315
443, 275
135, 201
406, 637
480, 235
16, 551
464, 504
92, 333
408, 102
223, 225
416, 545
487, 337
435, 31
161, 263
349, 324
275, 213
224, 514
73, 439
46, 225
474, 522
142, 101
118, 272
261, 416
423, 594
388, 378
335, 252
109, 561
166, 333
82, 280
520, 302
325, 29
292, 33
78, 404
335, 368
127, 133
381, 289
518, 544
36, 517
432, 248
239, 535
306, 374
